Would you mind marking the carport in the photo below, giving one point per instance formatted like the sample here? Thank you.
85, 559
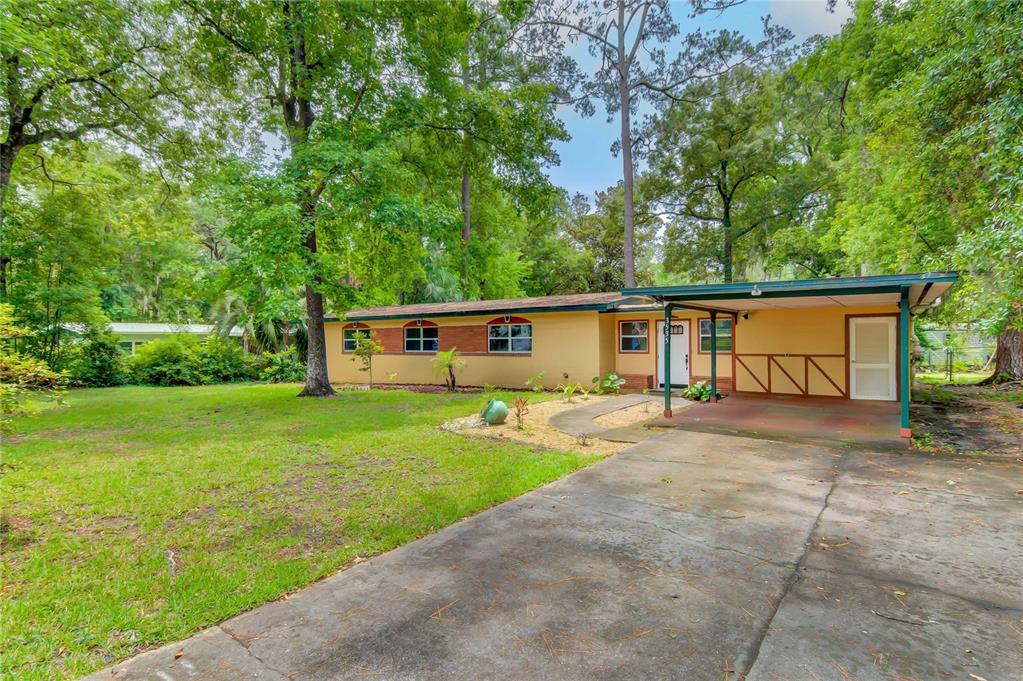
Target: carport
871, 314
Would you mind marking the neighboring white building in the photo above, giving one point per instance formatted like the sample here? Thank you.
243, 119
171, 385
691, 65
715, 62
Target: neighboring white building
134, 334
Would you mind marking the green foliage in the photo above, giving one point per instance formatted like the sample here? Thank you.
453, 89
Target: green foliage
98, 361
698, 392
281, 367
167, 361
535, 382
928, 170
568, 390
445, 364
114, 242
611, 383
595, 235
366, 348
23, 380
730, 171
223, 360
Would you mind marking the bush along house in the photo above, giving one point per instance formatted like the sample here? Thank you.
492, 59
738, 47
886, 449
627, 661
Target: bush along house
843, 338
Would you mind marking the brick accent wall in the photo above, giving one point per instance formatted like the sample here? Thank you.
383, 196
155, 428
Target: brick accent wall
468, 339
393, 340
725, 383
637, 381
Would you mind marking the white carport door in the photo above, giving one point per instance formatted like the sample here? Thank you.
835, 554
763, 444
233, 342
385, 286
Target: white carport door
872, 374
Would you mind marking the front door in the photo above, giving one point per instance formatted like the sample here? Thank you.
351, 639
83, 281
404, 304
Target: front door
872, 373
679, 353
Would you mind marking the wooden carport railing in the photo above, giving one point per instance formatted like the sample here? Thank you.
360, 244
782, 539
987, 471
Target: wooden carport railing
772, 359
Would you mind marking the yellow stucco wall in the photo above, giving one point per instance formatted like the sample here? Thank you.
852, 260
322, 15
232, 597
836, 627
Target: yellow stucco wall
814, 332
563, 342
584, 344
639, 363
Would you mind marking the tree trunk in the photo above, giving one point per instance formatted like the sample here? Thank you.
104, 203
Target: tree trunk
466, 203
629, 216
727, 251
7, 153
299, 116
1008, 358
466, 207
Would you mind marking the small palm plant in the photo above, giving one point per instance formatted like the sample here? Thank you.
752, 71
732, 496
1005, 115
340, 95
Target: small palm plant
445, 364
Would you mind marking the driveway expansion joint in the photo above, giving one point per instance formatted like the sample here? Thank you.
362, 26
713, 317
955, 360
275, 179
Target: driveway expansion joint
794, 576
248, 651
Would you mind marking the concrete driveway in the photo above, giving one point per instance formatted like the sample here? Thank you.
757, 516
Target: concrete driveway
689, 556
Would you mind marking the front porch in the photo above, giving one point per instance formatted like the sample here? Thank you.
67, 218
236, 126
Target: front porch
795, 418
806, 354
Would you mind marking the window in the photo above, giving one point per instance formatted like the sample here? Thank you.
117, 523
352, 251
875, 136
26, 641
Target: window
352, 338
632, 337
421, 339
127, 346
724, 335
510, 337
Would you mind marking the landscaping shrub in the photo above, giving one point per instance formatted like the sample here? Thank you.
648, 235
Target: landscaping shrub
222, 360
98, 362
282, 367
168, 361
698, 392
24, 380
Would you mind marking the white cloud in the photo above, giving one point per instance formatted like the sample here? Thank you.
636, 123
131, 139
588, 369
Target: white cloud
808, 17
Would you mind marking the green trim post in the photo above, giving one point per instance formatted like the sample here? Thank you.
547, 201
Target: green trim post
904, 430
713, 356
667, 360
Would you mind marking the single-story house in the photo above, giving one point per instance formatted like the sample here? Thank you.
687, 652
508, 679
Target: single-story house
134, 334
843, 337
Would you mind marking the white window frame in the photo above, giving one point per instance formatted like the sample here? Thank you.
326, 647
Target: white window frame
345, 340
645, 335
731, 343
509, 351
420, 339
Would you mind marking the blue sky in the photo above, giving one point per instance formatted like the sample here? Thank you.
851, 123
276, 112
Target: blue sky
587, 165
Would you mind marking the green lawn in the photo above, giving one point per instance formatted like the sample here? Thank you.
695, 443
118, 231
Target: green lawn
135, 516
958, 377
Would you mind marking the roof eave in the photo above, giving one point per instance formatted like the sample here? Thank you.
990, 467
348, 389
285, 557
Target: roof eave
772, 289
356, 317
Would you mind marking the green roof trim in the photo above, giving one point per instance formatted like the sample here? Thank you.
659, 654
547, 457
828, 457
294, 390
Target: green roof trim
475, 313
800, 287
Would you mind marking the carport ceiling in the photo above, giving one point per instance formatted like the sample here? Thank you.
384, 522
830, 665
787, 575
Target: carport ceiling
924, 290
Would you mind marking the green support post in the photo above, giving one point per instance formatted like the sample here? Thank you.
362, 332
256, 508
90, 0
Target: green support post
667, 360
713, 356
904, 366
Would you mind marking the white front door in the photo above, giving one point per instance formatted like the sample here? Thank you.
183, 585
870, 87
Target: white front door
679, 353
872, 356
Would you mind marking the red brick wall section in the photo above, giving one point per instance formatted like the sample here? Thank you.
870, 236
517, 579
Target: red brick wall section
468, 339
637, 381
393, 340
725, 384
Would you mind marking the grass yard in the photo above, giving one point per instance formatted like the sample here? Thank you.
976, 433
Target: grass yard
135, 516
958, 377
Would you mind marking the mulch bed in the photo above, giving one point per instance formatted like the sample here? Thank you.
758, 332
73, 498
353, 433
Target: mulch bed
970, 424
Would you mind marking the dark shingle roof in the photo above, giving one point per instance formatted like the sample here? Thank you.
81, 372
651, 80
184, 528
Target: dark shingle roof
579, 301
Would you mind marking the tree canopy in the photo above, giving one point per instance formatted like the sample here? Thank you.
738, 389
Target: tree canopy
267, 164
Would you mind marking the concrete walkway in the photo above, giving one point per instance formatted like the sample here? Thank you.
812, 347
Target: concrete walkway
690, 556
579, 421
